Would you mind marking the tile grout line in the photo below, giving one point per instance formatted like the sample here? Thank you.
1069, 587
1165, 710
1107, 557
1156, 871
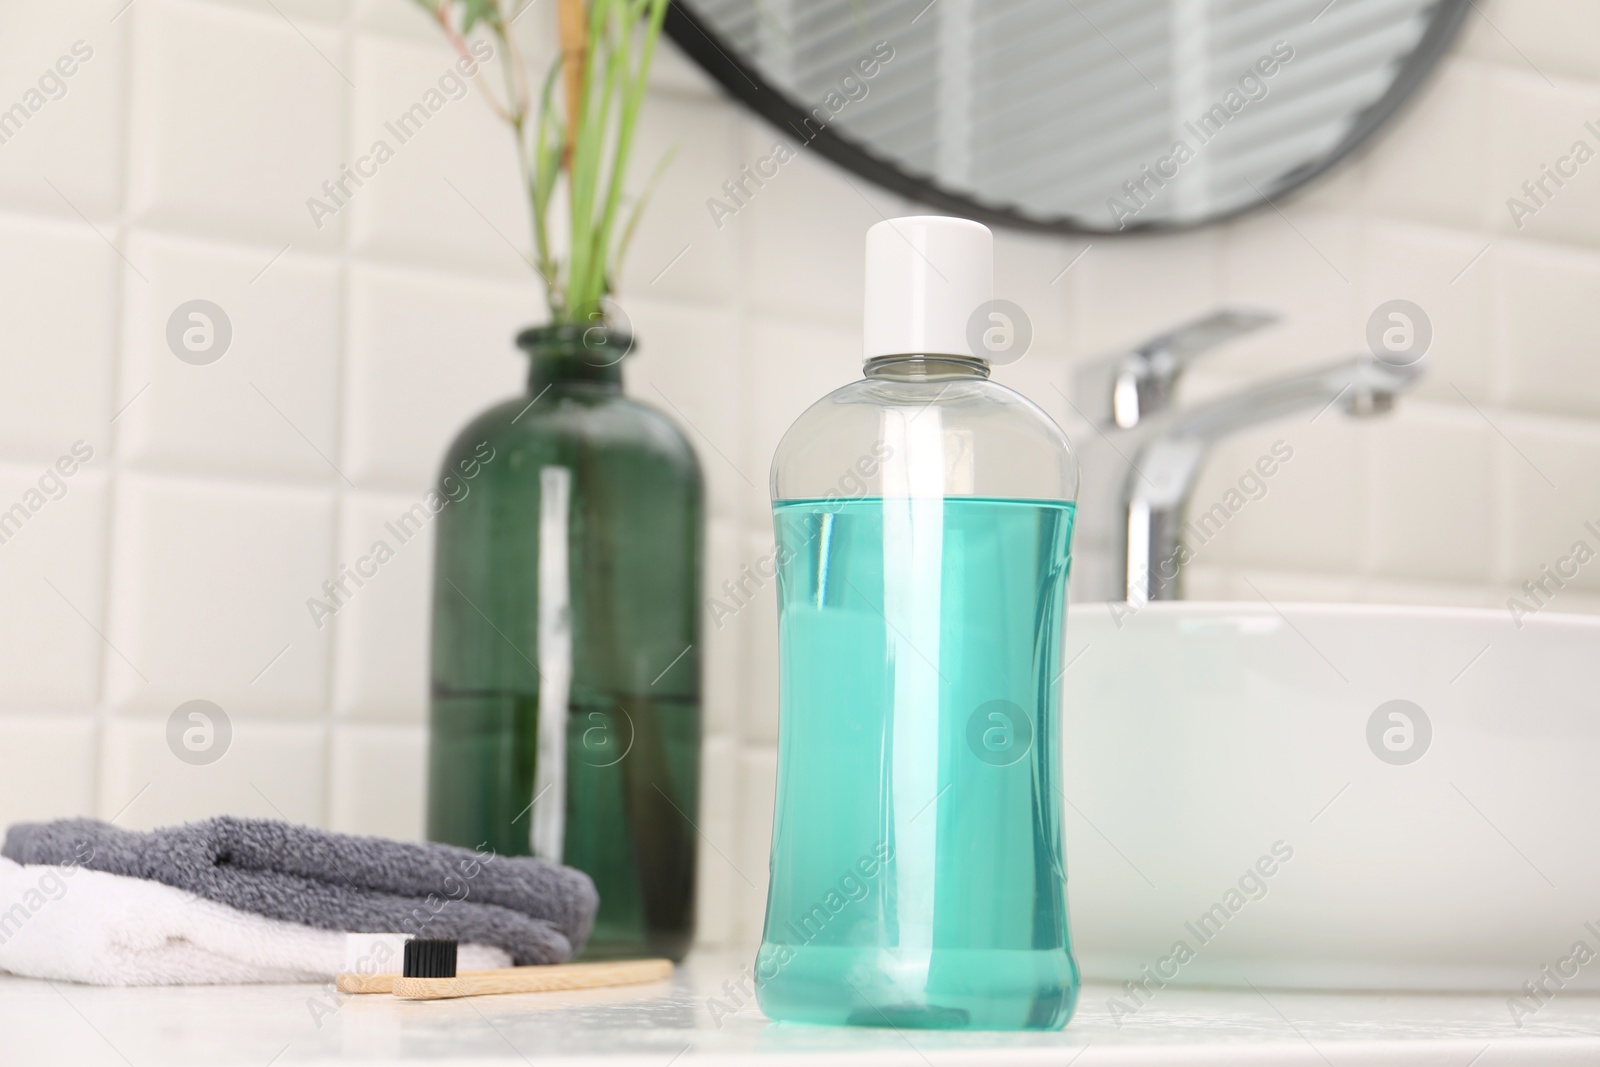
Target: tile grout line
342, 501
1501, 535
116, 502
739, 727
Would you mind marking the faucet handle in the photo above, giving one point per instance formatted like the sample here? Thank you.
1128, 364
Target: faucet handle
1132, 385
1199, 336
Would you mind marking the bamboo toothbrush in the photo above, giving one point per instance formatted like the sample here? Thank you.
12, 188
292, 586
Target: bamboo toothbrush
430, 974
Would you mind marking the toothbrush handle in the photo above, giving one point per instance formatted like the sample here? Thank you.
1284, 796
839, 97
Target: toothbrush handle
355, 982
534, 979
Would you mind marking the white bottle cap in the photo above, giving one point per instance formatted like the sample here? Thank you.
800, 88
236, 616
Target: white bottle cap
926, 276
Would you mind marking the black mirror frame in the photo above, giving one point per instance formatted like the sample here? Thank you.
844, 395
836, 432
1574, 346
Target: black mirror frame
745, 83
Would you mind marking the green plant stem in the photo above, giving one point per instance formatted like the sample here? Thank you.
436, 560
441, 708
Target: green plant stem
586, 161
592, 153
633, 100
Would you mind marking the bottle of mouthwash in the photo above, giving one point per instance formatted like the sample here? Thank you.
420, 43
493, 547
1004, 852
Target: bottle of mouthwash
924, 523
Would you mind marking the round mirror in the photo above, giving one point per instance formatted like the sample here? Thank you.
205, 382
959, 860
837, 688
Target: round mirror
1073, 115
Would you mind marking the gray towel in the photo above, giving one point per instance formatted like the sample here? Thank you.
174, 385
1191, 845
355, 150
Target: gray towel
539, 912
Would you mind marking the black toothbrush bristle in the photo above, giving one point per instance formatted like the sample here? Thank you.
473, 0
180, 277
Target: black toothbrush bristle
425, 958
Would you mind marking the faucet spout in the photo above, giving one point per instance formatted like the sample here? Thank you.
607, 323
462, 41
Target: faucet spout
1170, 451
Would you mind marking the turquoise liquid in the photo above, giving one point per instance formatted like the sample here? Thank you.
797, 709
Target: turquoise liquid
918, 878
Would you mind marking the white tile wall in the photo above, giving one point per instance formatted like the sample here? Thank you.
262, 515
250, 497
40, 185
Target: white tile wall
219, 497
270, 405
1423, 263
381, 639
369, 768
50, 767
724, 635
208, 584
281, 774
425, 351
52, 579
60, 379
234, 119
71, 158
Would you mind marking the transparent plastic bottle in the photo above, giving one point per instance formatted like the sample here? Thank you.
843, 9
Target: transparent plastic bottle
924, 521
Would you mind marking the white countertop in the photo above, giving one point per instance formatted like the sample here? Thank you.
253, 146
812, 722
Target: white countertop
64, 1025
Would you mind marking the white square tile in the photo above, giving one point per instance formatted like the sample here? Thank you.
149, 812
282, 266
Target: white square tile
1339, 189
209, 590
721, 634
267, 403
1433, 478
1431, 594
1201, 582
757, 621
758, 784
1552, 474
65, 66
1428, 165
52, 579
1548, 37
1132, 288
535, 26
1316, 472
404, 19
1039, 275
383, 624
241, 162
804, 233
441, 185
427, 353
49, 767
293, 12
1450, 276
718, 885
58, 286
1538, 132
1304, 265
268, 771
1093, 577
678, 250
378, 781
791, 365
1546, 310
1287, 587
674, 72
686, 364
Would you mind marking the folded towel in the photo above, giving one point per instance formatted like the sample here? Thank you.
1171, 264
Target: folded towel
539, 912
79, 925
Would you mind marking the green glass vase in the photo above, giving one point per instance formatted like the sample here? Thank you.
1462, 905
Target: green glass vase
565, 704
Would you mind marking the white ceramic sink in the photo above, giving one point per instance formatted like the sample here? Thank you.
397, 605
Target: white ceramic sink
1197, 736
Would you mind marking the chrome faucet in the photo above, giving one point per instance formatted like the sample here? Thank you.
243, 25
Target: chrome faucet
1134, 394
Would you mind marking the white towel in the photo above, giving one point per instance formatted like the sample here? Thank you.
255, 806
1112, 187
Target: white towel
81, 925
